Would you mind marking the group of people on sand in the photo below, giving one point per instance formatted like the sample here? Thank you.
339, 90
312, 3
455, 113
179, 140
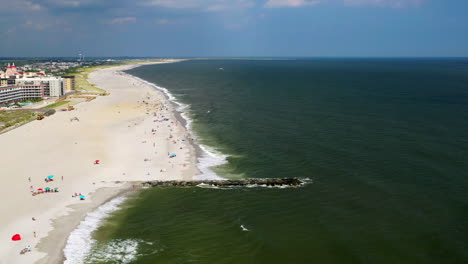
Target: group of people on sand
48, 179
44, 190
78, 195
25, 250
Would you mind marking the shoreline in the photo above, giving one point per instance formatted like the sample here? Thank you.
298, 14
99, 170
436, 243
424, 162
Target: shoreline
177, 114
117, 130
203, 153
59, 235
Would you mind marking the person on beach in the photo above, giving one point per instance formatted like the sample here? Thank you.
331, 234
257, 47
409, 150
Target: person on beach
35, 235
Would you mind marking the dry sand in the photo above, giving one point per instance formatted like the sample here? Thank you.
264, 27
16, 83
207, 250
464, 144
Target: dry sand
115, 129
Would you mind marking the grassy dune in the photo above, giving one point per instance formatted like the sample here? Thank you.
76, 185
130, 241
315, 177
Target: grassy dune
15, 117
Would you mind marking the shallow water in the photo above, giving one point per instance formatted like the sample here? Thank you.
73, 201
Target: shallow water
383, 141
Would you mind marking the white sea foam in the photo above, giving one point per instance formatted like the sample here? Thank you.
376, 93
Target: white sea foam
80, 242
116, 251
209, 157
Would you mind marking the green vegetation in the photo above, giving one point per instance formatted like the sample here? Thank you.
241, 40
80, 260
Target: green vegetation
51, 106
81, 78
15, 117
31, 100
81, 73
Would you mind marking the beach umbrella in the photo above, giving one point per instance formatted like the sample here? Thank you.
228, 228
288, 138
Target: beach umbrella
47, 188
50, 176
82, 197
40, 189
97, 161
16, 237
56, 188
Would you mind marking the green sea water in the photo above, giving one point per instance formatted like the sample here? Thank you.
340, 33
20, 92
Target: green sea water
384, 143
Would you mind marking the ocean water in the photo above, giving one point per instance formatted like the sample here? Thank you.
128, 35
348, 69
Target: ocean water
384, 143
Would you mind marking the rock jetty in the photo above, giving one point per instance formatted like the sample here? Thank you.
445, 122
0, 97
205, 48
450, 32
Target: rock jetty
227, 183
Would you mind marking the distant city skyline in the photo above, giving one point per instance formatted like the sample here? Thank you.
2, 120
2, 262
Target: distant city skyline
234, 28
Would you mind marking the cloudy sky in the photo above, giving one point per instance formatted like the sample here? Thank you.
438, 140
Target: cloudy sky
213, 28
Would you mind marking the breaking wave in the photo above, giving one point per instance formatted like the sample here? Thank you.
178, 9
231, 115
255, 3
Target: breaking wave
80, 241
209, 157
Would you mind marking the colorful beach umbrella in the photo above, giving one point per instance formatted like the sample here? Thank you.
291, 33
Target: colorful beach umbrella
16, 237
47, 188
40, 189
82, 197
50, 176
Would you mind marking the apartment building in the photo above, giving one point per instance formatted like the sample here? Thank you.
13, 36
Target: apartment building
14, 93
53, 86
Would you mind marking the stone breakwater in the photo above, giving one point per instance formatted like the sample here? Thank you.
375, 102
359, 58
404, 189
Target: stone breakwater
227, 183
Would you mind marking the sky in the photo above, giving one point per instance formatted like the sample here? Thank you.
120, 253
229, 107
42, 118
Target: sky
234, 28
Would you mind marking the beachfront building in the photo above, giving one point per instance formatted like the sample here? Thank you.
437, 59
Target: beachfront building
53, 86
12, 72
15, 93
68, 83
6, 81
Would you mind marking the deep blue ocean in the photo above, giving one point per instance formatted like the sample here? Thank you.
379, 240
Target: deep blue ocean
384, 143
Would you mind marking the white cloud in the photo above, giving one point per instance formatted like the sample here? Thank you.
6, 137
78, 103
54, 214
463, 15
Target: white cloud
162, 21
384, 3
291, 3
20, 6
36, 25
377, 3
76, 3
29, 5
206, 5
123, 20
46, 23
68, 3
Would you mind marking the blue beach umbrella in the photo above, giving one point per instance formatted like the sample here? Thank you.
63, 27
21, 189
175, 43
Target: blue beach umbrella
82, 197
173, 154
50, 176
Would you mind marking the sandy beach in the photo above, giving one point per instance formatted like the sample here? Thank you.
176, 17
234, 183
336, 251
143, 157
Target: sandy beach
133, 132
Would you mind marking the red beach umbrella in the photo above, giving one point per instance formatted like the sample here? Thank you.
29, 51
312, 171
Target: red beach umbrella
16, 237
40, 189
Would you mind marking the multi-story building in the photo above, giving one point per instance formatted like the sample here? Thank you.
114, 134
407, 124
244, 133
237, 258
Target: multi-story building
18, 85
53, 86
68, 83
6, 81
14, 93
